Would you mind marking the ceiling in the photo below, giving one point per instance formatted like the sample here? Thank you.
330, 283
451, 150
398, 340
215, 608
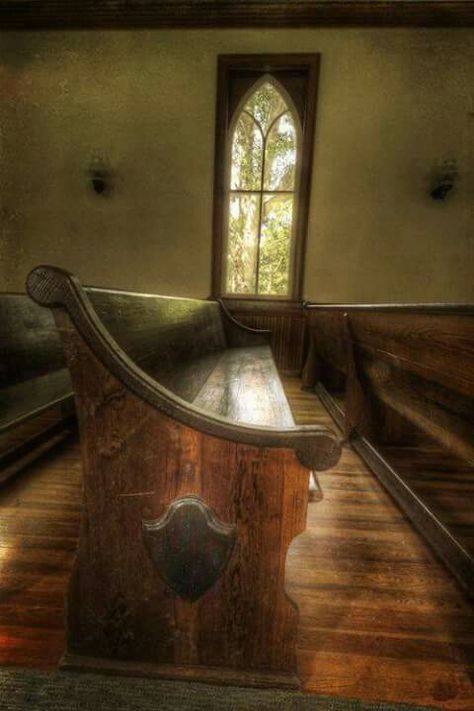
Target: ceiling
37, 14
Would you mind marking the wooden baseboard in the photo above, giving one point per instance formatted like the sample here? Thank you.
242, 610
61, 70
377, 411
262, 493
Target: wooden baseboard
456, 558
331, 405
208, 675
17, 458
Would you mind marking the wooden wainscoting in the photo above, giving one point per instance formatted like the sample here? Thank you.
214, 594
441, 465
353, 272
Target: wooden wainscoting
287, 322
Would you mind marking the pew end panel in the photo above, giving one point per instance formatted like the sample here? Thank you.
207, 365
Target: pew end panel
119, 607
145, 597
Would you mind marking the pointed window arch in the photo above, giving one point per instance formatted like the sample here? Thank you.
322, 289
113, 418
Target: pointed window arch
262, 191
262, 177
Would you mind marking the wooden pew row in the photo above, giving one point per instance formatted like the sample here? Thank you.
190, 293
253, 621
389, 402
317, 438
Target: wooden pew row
400, 381
36, 400
195, 484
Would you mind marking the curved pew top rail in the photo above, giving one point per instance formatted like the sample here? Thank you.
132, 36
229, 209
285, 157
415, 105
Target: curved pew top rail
316, 447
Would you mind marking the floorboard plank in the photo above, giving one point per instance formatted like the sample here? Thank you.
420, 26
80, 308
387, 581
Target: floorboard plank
381, 618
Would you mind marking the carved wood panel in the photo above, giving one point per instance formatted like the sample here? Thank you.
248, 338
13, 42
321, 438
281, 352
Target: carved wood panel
136, 462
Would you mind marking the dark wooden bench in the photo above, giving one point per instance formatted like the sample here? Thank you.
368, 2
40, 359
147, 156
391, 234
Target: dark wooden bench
36, 400
399, 379
195, 485
186, 346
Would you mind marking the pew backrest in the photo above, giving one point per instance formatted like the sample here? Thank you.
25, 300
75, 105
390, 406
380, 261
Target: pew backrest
416, 360
164, 335
30, 345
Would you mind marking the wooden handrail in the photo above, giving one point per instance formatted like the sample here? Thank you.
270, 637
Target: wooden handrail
409, 307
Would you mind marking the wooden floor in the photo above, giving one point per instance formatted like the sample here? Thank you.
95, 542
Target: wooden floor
381, 619
443, 481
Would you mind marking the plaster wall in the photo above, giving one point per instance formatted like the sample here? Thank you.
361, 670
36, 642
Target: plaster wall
392, 103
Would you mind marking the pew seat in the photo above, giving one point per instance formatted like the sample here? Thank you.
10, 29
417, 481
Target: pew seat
196, 350
244, 386
195, 484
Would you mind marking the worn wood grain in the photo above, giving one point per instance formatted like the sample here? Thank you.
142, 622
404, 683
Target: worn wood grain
175, 341
417, 363
144, 450
438, 347
239, 13
316, 447
408, 375
370, 626
245, 387
136, 462
444, 481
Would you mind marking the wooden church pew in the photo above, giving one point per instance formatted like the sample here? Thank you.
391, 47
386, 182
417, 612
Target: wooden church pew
195, 484
36, 400
402, 377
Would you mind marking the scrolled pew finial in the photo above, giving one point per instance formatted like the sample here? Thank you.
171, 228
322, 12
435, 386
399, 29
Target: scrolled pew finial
48, 285
318, 453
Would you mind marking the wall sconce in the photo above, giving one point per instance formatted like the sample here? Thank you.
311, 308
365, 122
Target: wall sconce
100, 175
442, 179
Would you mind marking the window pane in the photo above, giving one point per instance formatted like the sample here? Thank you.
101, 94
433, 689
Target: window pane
247, 155
242, 244
280, 155
275, 245
266, 104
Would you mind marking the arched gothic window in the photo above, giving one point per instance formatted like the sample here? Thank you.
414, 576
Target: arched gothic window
264, 145
262, 187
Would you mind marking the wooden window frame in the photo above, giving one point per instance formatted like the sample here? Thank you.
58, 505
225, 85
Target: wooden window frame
231, 69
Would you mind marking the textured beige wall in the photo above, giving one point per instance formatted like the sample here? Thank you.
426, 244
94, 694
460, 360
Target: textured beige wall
391, 104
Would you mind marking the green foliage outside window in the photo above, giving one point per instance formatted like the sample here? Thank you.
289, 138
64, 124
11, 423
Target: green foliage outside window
262, 196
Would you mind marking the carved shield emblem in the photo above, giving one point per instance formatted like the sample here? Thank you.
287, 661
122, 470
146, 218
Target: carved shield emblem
189, 546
